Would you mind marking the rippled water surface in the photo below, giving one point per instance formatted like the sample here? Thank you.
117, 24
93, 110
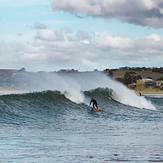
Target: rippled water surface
48, 127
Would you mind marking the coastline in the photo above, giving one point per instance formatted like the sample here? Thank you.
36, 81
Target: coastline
143, 91
8, 91
149, 92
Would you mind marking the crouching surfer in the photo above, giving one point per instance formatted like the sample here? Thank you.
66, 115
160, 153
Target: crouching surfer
94, 103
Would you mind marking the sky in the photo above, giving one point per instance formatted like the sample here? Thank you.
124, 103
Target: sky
84, 35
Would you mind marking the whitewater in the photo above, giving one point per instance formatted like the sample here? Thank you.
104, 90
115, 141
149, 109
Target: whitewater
74, 84
52, 121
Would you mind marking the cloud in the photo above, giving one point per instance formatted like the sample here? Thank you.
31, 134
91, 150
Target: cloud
138, 12
49, 35
66, 29
52, 50
83, 35
154, 36
40, 26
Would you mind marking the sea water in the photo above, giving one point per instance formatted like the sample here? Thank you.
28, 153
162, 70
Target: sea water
57, 125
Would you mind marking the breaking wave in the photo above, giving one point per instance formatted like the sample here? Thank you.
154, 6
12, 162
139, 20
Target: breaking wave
80, 87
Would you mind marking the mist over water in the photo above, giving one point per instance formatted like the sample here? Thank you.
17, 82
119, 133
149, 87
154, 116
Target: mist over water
73, 86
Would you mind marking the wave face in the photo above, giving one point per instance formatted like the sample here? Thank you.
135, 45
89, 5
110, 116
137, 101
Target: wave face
30, 107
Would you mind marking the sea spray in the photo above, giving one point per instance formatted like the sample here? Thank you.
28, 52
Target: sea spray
73, 84
123, 95
72, 91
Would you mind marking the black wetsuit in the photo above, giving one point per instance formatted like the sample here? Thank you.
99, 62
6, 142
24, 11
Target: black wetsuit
94, 103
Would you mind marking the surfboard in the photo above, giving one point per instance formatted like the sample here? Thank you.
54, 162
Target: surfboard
98, 109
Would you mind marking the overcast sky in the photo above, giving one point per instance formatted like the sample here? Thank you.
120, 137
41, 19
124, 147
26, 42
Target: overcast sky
49, 35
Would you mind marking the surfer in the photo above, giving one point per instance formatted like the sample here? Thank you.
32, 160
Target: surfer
94, 103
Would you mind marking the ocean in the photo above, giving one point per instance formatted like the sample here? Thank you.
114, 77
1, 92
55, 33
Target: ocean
54, 123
